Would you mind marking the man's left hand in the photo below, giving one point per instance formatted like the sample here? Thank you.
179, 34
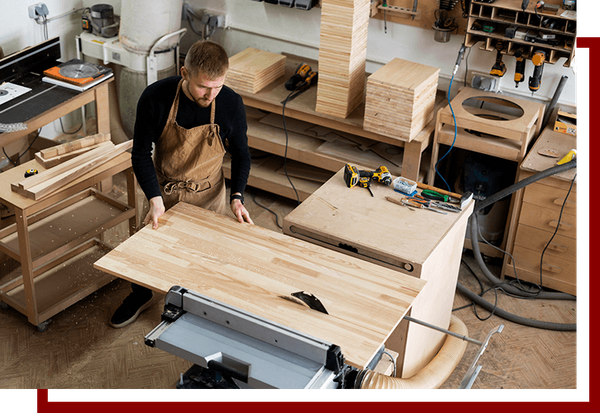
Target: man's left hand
240, 211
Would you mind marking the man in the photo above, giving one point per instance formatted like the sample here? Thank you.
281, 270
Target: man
190, 119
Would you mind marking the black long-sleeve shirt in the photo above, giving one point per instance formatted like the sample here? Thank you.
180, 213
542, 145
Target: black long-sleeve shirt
151, 117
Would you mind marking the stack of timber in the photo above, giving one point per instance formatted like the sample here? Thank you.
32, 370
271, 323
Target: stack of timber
342, 56
251, 70
400, 99
49, 181
56, 155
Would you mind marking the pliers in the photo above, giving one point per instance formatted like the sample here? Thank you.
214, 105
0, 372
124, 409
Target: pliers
418, 201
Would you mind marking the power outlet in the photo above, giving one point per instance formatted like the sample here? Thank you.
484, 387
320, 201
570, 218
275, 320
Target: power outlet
216, 19
37, 10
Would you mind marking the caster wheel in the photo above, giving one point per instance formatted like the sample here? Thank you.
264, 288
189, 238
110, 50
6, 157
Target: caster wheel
43, 326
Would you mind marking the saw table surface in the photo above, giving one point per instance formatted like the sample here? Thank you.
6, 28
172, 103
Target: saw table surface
257, 270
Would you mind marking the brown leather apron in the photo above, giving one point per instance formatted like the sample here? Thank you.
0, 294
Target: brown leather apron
189, 163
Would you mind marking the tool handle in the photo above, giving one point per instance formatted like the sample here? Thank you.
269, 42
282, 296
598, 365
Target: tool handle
441, 191
433, 195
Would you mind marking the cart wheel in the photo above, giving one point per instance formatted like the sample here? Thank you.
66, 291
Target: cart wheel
3, 305
43, 326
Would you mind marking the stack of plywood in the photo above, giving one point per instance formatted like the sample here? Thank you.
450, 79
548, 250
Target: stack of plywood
400, 99
342, 56
252, 69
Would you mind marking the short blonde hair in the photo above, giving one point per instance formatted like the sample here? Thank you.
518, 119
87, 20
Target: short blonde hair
207, 57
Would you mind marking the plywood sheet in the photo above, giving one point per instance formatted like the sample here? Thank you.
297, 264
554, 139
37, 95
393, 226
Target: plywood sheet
255, 269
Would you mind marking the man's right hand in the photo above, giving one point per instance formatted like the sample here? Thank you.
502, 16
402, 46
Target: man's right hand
157, 209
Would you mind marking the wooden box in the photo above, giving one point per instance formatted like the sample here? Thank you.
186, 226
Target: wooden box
251, 70
419, 243
400, 99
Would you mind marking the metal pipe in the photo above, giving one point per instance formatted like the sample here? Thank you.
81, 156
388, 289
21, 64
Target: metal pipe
559, 89
443, 330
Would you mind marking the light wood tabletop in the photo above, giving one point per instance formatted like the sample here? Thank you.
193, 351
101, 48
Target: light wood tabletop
257, 270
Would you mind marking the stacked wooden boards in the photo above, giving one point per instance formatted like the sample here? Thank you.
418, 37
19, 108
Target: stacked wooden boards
47, 182
342, 56
400, 99
252, 69
55, 155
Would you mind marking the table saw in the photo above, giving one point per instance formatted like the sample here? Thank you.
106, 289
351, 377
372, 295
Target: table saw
229, 302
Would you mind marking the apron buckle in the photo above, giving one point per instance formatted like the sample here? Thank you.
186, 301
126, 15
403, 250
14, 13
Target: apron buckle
190, 186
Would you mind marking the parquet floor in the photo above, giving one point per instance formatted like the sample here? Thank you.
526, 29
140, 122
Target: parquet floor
80, 350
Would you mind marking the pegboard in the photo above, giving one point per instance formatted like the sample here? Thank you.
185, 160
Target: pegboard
425, 17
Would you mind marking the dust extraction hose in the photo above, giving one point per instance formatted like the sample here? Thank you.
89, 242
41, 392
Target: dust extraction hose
507, 287
431, 376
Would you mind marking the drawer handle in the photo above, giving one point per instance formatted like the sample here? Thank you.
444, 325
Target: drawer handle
558, 248
562, 225
551, 268
559, 202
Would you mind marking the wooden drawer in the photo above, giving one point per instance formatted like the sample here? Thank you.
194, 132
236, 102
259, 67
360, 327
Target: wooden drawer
547, 220
558, 273
550, 197
535, 239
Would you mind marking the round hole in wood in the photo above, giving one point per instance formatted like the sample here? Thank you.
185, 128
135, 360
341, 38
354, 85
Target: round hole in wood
493, 108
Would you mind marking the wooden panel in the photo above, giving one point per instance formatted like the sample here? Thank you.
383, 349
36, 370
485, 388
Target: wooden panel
551, 198
256, 270
554, 269
547, 220
536, 240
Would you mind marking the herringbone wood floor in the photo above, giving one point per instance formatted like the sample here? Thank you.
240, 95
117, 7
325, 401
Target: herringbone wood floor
80, 350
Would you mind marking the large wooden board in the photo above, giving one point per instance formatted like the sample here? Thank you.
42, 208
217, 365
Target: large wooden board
255, 269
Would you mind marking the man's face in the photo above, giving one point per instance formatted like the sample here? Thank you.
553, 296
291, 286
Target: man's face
202, 88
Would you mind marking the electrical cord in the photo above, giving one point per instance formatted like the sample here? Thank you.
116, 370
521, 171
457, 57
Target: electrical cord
286, 147
24, 152
272, 212
455, 135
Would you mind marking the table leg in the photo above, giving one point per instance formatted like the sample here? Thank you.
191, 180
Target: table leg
132, 200
26, 266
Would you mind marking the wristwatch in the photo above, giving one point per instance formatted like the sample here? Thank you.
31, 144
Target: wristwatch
236, 196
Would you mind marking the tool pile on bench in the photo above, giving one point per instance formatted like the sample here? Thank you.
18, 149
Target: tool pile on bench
68, 162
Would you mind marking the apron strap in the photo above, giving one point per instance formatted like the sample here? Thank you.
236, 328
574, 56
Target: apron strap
191, 186
212, 111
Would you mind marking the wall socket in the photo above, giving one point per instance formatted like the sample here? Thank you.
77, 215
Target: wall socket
216, 19
37, 10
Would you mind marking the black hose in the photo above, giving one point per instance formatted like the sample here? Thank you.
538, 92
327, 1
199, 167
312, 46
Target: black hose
496, 281
557, 93
512, 317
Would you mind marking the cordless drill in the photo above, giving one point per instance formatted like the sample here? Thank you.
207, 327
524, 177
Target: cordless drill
302, 77
499, 68
520, 67
353, 177
538, 59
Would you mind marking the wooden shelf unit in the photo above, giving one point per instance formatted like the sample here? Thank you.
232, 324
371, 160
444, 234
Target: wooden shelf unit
303, 108
506, 13
53, 231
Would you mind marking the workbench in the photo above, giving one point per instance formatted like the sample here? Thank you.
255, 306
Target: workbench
256, 270
304, 150
50, 103
419, 243
50, 235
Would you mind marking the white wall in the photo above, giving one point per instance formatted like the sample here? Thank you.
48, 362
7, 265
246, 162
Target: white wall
280, 29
